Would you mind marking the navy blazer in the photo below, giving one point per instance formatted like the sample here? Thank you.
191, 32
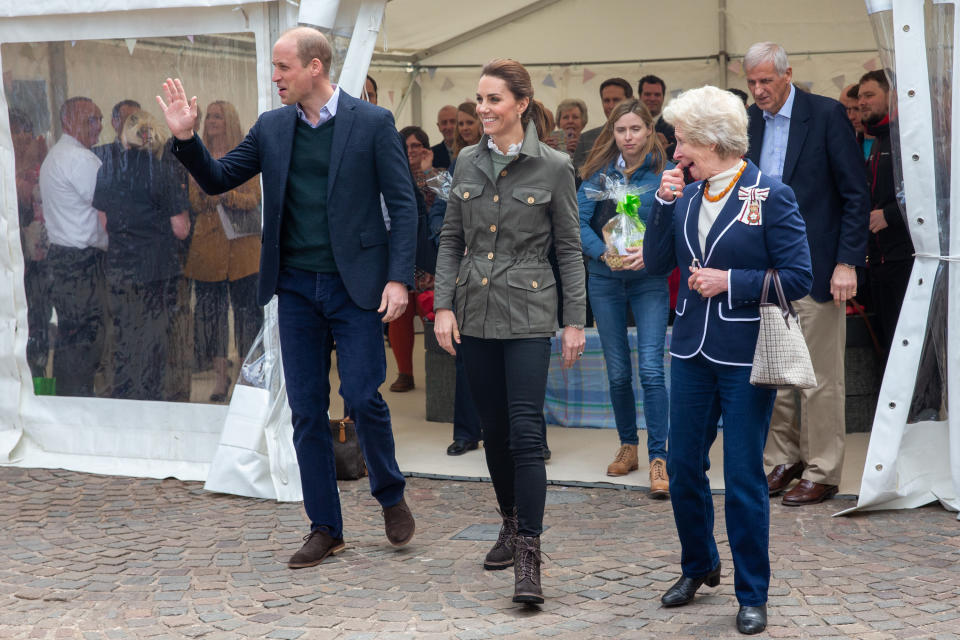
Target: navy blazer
824, 167
724, 327
367, 159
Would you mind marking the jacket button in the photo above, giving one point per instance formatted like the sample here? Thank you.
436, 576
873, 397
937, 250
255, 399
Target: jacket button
490, 256
503, 173
530, 200
466, 194
534, 284
496, 198
483, 282
493, 228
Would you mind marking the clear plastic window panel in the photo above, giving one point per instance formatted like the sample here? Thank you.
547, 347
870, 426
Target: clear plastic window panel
138, 284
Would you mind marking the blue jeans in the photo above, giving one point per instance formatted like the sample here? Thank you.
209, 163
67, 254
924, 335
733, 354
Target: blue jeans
700, 392
649, 299
312, 307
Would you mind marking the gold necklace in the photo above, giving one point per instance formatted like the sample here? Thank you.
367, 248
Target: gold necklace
719, 196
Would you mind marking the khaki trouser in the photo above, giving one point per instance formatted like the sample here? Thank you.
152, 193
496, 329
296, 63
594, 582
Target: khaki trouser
809, 425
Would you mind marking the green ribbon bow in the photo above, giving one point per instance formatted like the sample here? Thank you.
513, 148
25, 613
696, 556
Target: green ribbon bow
629, 205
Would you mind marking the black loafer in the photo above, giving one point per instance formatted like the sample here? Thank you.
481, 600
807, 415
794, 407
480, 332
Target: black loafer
547, 454
751, 620
685, 588
460, 447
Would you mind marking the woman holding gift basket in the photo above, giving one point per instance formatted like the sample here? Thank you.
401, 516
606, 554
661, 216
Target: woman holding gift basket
620, 176
724, 231
513, 198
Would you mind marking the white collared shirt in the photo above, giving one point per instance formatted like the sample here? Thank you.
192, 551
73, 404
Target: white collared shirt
68, 178
327, 111
776, 133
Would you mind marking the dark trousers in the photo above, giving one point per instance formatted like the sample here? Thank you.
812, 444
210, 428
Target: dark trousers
76, 290
700, 392
311, 308
508, 380
37, 285
888, 286
466, 420
141, 319
210, 317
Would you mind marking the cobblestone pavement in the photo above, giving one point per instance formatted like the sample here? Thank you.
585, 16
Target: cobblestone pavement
92, 557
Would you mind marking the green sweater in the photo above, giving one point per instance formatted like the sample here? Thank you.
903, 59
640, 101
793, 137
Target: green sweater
305, 233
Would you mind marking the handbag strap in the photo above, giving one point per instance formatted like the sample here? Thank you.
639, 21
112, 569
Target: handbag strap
786, 307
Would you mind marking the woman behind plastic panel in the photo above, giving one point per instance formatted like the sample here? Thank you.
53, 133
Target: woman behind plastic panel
724, 230
513, 198
468, 127
628, 151
224, 257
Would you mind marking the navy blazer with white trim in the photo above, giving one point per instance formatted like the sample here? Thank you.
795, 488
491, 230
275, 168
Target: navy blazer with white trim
724, 328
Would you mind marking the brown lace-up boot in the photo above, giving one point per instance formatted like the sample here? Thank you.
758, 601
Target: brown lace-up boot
501, 555
659, 483
526, 570
625, 461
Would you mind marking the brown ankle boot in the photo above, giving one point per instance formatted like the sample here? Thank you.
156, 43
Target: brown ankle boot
404, 382
501, 555
659, 483
625, 461
526, 570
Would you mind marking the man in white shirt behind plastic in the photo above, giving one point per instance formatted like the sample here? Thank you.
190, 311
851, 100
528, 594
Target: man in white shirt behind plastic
78, 242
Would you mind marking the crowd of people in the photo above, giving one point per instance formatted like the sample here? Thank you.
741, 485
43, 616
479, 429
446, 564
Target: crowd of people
516, 250
118, 242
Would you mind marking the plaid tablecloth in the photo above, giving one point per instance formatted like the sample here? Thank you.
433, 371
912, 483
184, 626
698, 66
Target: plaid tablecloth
580, 396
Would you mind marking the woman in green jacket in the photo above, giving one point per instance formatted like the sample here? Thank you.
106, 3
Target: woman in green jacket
513, 199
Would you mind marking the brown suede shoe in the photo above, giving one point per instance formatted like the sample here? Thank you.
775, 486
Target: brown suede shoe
659, 483
782, 475
404, 382
625, 461
318, 544
501, 555
398, 523
526, 570
808, 492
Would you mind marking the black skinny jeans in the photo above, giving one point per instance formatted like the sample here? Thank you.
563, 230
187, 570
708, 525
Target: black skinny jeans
508, 381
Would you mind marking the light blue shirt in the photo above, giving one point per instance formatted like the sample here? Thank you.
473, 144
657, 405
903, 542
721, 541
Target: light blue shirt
327, 111
775, 135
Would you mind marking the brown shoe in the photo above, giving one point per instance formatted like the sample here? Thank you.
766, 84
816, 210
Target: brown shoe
659, 483
782, 475
808, 493
625, 461
501, 555
526, 570
404, 382
318, 544
398, 523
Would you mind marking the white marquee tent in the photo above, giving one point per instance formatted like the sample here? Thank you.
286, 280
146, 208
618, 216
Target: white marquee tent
423, 59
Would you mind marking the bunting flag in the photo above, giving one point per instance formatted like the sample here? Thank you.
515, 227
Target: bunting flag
839, 81
588, 75
675, 93
872, 64
131, 44
73, 43
391, 94
447, 84
548, 81
735, 68
432, 71
808, 86
190, 38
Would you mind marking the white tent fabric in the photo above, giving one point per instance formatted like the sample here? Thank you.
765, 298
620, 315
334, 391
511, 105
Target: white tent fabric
425, 58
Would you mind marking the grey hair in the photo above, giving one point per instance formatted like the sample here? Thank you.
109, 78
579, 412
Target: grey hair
762, 52
709, 116
572, 103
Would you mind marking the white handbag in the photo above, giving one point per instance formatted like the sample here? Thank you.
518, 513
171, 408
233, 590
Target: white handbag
781, 359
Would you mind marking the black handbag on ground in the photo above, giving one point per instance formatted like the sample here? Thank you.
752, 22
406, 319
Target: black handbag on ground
346, 450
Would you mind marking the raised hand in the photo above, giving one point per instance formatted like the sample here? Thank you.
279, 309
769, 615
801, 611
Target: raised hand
671, 184
179, 112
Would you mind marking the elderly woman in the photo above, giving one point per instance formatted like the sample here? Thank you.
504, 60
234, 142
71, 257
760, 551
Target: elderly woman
726, 229
571, 119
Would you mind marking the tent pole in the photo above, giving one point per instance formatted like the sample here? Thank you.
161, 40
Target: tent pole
722, 57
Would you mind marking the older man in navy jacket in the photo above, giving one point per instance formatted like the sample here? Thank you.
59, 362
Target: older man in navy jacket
325, 157
807, 142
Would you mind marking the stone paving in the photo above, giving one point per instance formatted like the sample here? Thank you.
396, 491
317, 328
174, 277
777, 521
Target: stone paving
107, 558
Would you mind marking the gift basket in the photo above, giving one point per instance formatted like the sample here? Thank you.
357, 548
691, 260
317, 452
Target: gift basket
624, 229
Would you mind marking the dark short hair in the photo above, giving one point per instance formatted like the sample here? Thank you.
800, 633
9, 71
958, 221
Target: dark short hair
373, 82
854, 91
651, 79
740, 94
68, 106
617, 82
877, 76
115, 114
417, 133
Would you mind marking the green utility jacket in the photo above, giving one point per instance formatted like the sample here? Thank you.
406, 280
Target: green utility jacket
492, 266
